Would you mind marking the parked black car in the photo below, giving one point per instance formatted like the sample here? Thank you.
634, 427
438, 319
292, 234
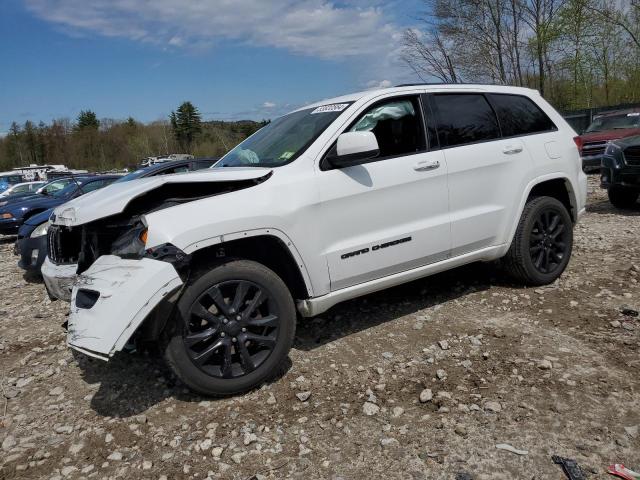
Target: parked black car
32, 236
620, 171
12, 216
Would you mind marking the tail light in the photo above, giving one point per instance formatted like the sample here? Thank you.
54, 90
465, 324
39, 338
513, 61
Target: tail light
579, 143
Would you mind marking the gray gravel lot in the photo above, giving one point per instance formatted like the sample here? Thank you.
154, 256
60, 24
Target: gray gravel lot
420, 381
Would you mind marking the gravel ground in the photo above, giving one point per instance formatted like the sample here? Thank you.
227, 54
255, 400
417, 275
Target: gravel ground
420, 381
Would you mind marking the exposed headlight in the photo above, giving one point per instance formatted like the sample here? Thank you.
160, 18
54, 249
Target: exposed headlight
612, 149
6, 216
67, 217
40, 230
131, 244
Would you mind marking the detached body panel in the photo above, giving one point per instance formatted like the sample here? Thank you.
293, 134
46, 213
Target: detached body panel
126, 291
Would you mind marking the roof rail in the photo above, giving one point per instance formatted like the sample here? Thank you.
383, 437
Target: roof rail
449, 83
422, 83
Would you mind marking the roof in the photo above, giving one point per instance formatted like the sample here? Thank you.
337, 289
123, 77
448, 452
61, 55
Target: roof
90, 178
433, 87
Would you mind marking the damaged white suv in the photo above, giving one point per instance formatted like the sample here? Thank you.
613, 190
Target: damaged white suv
332, 201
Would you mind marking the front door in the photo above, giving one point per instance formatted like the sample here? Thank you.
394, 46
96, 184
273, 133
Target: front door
392, 214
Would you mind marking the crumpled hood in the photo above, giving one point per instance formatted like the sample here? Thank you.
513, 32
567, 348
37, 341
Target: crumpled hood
114, 198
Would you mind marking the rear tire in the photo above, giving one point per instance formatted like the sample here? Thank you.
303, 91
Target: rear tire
621, 197
233, 329
542, 245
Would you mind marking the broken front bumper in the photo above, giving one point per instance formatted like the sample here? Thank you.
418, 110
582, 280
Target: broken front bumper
59, 279
111, 300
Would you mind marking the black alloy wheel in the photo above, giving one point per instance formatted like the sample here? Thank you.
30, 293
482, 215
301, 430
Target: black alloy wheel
232, 329
547, 243
541, 247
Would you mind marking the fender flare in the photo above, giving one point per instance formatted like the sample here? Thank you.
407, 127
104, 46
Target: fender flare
273, 232
527, 191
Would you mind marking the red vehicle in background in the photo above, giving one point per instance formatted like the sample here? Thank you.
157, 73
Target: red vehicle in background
605, 128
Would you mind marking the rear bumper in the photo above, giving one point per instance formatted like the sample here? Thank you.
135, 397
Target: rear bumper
111, 300
58, 279
32, 252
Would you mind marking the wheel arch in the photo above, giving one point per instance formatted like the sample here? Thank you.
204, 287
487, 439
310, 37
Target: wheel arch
559, 188
269, 247
556, 185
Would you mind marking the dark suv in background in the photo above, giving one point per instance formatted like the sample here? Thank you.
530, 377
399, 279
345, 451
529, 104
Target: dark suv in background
605, 128
620, 171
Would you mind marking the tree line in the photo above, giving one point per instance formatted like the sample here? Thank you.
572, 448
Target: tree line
103, 144
577, 53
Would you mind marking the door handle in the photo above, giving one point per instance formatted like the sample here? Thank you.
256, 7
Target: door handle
512, 149
425, 165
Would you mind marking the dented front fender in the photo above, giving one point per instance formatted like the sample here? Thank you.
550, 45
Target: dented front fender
112, 298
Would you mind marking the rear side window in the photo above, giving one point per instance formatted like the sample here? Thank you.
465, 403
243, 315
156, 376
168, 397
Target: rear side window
90, 187
170, 171
519, 115
201, 165
464, 118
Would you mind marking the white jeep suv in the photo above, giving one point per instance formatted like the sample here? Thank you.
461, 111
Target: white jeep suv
332, 201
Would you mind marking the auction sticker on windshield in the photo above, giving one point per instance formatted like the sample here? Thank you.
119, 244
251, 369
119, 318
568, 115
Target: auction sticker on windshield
335, 107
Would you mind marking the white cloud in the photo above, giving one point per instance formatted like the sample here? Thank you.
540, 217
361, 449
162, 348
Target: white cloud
268, 105
309, 27
373, 84
176, 41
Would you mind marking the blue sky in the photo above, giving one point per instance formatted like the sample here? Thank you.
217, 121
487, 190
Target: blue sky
232, 58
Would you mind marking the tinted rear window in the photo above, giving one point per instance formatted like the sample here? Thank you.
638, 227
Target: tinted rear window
464, 118
518, 115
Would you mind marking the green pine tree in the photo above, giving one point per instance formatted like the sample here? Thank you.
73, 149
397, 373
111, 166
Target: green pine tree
87, 119
186, 125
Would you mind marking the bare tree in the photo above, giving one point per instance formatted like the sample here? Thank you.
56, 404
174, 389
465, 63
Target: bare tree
540, 15
430, 58
625, 15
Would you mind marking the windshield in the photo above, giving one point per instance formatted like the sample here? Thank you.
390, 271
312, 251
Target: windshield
614, 122
284, 139
68, 190
54, 186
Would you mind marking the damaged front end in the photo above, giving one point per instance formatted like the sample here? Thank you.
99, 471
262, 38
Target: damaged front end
120, 280
112, 298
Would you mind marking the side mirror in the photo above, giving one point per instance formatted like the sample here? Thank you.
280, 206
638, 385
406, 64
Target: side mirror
354, 148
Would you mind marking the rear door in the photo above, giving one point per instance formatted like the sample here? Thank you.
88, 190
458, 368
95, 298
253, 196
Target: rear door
391, 214
485, 170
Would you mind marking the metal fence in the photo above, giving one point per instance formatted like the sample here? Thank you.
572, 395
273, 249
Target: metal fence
581, 119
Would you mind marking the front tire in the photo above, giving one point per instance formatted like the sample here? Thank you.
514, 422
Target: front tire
623, 198
233, 329
543, 242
